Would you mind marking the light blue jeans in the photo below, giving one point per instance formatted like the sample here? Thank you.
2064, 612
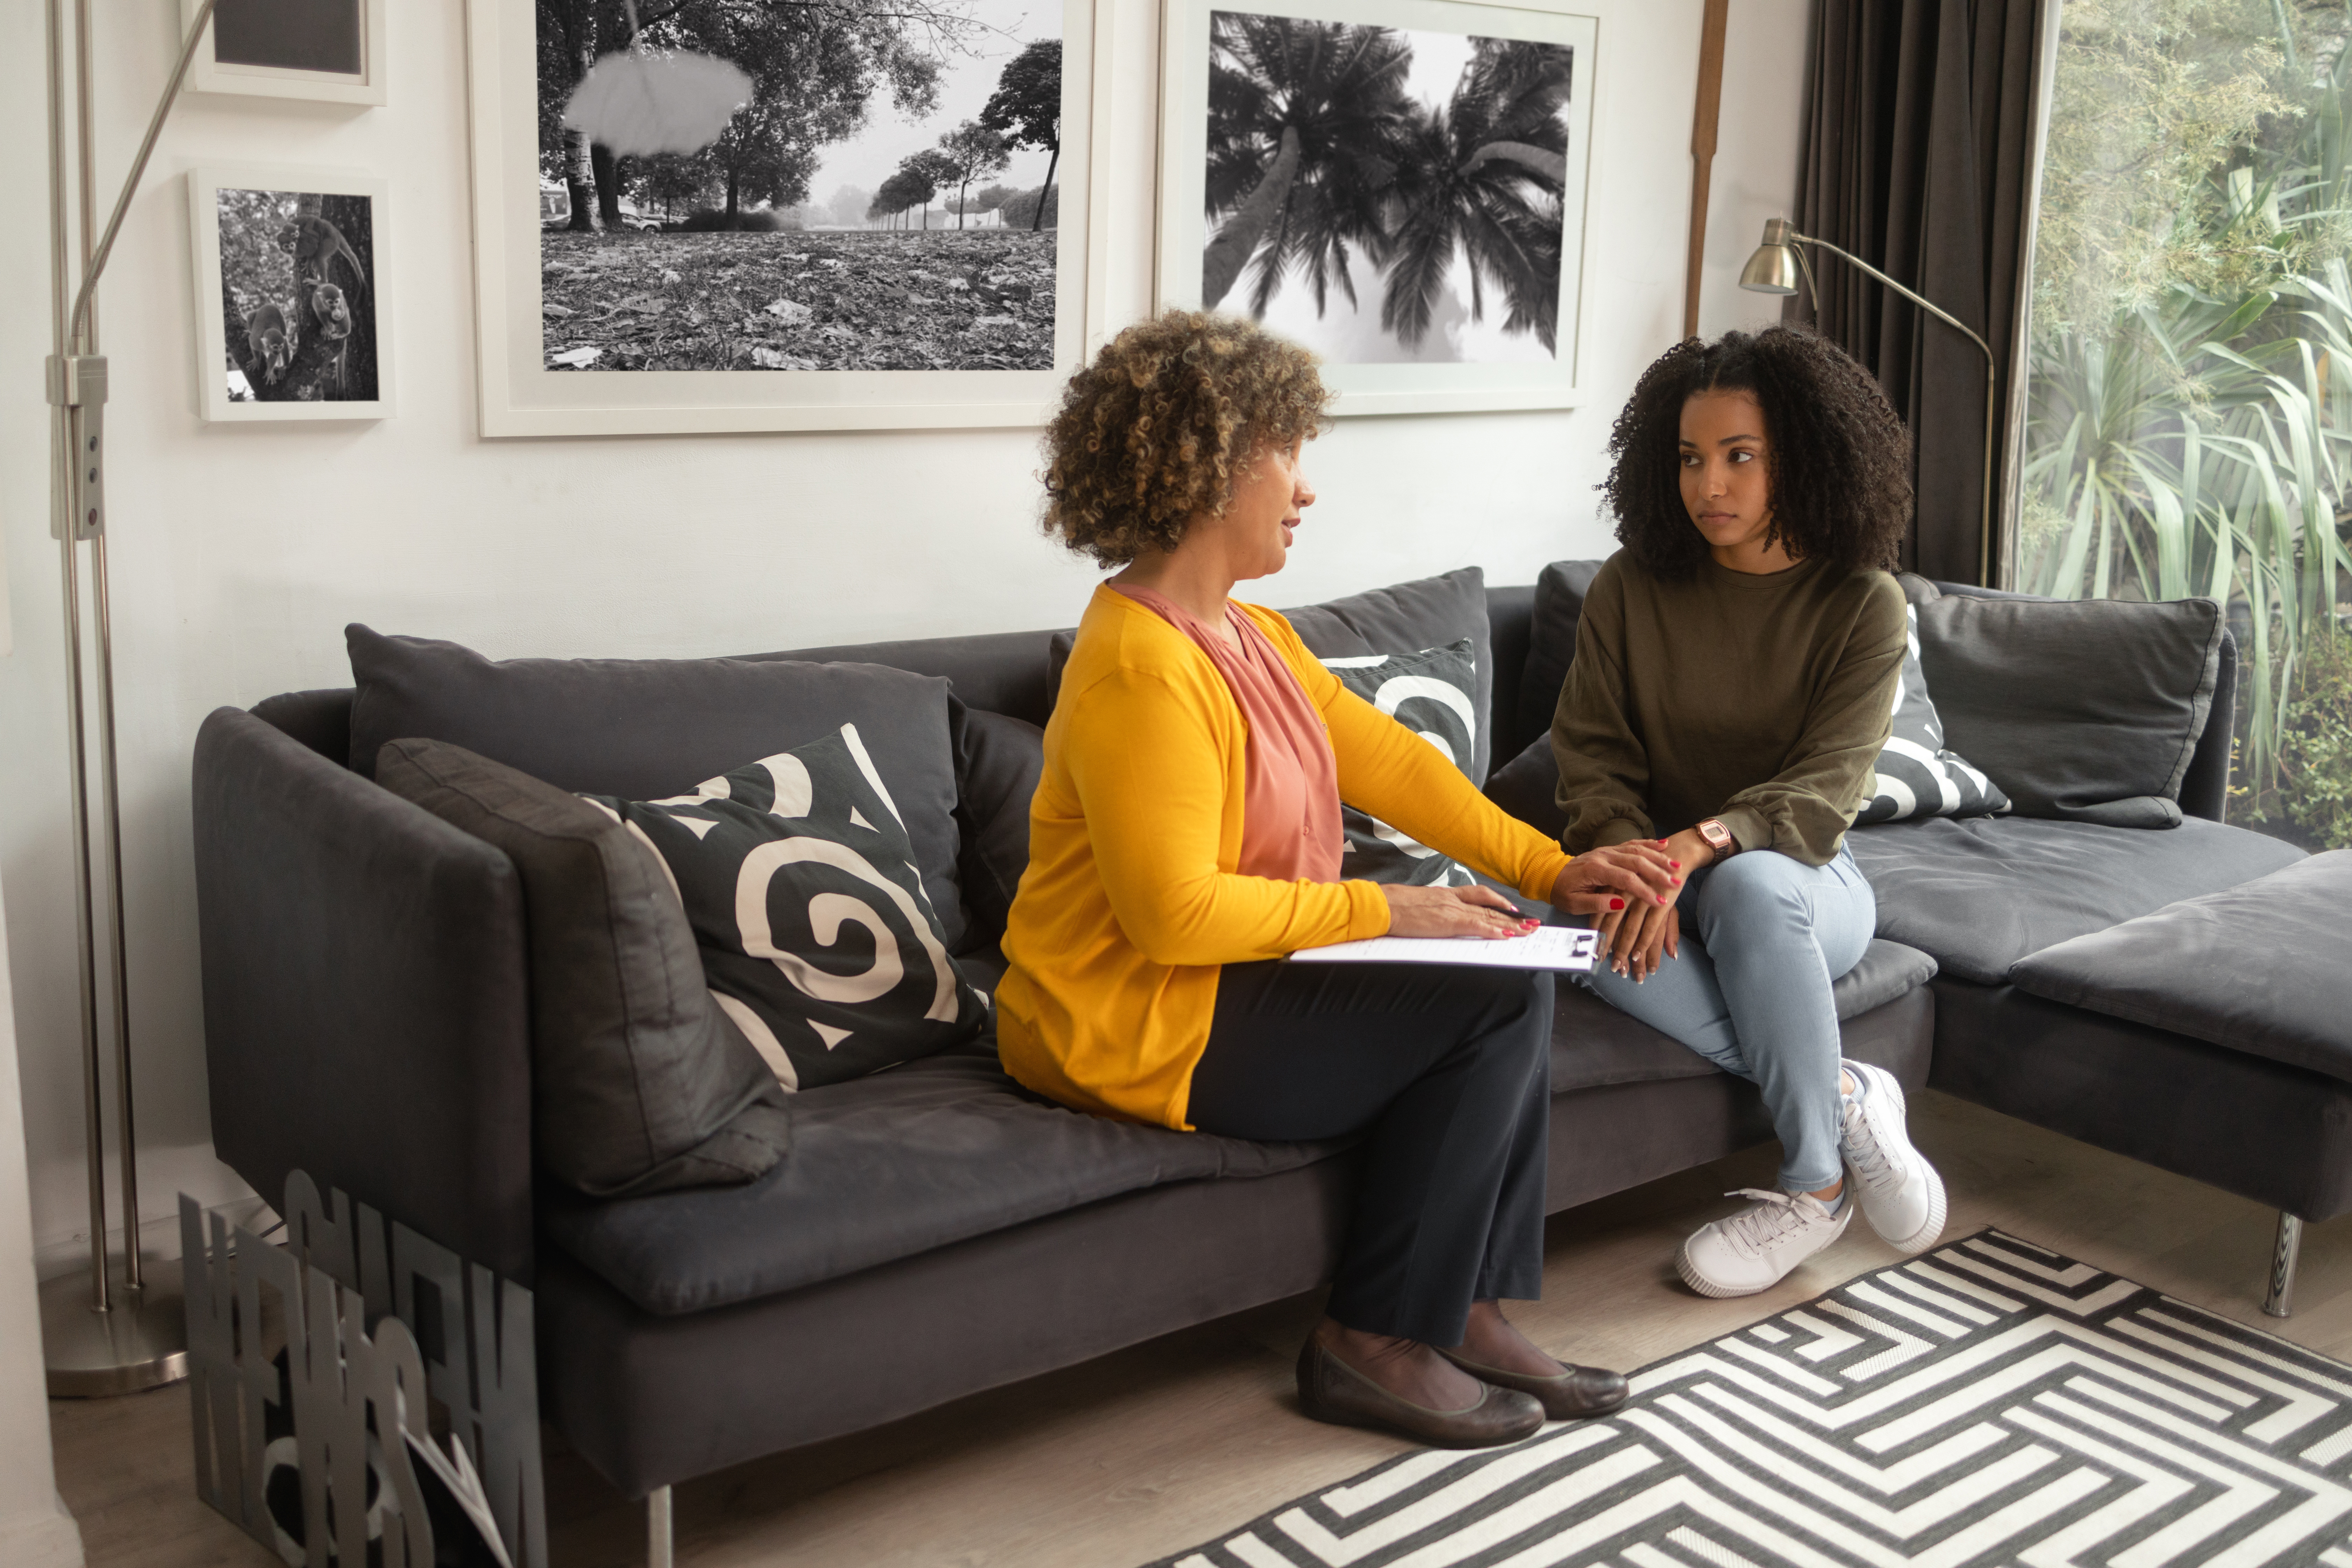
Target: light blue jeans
1762, 938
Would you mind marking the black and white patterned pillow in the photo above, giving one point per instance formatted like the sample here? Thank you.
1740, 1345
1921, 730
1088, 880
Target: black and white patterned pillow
1915, 775
1433, 693
816, 936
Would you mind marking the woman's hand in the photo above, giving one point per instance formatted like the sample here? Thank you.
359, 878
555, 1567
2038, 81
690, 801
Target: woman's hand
1631, 890
1452, 912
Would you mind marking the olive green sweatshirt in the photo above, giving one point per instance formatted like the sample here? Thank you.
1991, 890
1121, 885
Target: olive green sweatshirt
1759, 699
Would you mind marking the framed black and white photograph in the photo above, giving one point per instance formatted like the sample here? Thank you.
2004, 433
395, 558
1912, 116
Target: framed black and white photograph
1399, 185
291, 267
329, 51
884, 224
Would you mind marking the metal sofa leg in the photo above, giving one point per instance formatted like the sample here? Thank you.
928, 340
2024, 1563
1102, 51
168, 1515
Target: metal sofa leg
2280, 1302
657, 1529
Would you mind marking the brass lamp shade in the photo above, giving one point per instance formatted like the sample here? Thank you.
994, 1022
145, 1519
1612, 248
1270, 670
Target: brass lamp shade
1773, 269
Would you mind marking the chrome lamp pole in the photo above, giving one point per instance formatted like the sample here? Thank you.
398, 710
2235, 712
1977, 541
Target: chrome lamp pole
97, 1338
1775, 268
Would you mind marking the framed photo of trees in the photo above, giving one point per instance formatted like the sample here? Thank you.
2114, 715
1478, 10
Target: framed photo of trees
1401, 186
329, 51
291, 273
890, 231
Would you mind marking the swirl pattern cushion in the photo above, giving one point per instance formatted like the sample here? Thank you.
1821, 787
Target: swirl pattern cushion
817, 938
1916, 775
1434, 693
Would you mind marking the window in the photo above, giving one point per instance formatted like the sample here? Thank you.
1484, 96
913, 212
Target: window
2188, 402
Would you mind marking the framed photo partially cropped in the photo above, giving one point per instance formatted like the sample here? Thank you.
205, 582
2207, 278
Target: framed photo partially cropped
330, 51
292, 316
894, 230
1401, 186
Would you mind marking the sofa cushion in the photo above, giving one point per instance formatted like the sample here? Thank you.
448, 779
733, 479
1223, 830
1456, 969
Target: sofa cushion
639, 1082
1404, 618
1560, 588
2085, 710
1917, 775
2257, 968
885, 1167
1434, 693
799, 879
1593, 1044
1528, 786
1979, 893
999, 760
644, 727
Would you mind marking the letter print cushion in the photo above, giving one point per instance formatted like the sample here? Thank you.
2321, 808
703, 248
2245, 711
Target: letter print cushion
1916, 777
1434, 693
817, 937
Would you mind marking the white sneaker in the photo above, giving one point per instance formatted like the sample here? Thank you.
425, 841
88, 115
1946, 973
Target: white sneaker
1754, 1249
1899, 1192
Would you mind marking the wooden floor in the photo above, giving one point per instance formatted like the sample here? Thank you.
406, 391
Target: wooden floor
1157, 1448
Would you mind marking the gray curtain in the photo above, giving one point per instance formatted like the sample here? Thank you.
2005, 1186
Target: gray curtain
1917, 160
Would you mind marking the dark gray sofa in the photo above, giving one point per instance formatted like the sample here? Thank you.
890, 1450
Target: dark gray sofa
936, 1230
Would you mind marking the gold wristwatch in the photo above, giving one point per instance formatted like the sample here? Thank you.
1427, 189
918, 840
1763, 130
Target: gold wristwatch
1718, 838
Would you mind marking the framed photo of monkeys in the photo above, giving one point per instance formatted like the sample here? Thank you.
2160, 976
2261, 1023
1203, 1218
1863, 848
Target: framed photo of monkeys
292, 319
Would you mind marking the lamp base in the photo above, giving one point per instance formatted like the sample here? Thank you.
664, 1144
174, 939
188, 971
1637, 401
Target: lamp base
140, 1342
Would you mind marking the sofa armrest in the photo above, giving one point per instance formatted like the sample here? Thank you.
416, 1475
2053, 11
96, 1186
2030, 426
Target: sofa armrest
366, 1001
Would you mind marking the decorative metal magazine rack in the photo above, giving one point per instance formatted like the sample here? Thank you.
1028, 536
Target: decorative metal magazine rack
316, 1368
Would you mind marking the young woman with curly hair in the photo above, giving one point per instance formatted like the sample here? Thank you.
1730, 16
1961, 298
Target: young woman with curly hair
1736, 671
1185, 838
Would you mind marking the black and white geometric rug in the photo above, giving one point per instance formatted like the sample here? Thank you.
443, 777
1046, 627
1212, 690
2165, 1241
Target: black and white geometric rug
1986, 1403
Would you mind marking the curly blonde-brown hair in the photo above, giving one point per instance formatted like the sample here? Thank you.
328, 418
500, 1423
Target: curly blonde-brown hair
1158, 428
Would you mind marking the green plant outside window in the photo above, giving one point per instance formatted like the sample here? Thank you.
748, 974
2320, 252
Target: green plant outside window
2189, 425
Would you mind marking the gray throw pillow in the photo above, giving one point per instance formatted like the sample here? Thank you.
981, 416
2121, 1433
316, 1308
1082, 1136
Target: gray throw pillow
1434, 693
639, 1082
816, 936
646, 727
999, 760
1915, 773
2083, 710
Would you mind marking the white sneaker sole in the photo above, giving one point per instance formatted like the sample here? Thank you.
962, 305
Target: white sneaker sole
1705, 1286
1883, 1082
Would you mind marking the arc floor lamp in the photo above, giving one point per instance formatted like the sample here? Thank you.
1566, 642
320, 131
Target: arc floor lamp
1776, 267
100, 1335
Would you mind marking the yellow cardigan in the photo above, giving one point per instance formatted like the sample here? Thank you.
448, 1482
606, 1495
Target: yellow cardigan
1130, 902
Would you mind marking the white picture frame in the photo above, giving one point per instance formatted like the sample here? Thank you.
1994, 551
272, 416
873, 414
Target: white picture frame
1392, 388
370, 325
364, 88
521, 397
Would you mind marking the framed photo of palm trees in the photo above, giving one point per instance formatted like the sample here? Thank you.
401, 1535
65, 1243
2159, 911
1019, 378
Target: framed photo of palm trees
1398, 184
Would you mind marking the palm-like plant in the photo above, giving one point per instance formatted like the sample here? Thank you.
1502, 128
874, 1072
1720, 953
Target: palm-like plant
1484, 177
1303, 121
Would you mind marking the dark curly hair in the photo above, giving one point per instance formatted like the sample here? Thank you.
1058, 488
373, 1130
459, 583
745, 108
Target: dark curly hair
1840, 459
1161, 426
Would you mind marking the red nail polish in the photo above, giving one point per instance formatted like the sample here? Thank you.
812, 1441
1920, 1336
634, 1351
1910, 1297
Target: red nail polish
1676, 864
1616, 903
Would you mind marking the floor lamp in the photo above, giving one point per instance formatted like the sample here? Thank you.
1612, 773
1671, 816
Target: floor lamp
1775, 268
98, 1337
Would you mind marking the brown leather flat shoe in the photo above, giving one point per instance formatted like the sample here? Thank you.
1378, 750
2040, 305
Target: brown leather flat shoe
1330, 1390
1576, 1393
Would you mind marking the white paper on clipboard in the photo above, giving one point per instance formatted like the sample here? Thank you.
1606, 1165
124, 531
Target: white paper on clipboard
1546, 947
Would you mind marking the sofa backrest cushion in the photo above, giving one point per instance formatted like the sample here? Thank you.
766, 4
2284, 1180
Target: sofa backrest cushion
999, 760
1560, 588
2083, 710
644, 729
639, 1082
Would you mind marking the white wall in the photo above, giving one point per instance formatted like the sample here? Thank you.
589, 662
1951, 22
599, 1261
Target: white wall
240, 551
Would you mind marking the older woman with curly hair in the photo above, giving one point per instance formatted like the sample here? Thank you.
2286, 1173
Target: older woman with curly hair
1185, 838
1736, 671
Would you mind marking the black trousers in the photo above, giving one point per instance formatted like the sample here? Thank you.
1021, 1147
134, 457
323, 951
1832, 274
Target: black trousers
1448, 1071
